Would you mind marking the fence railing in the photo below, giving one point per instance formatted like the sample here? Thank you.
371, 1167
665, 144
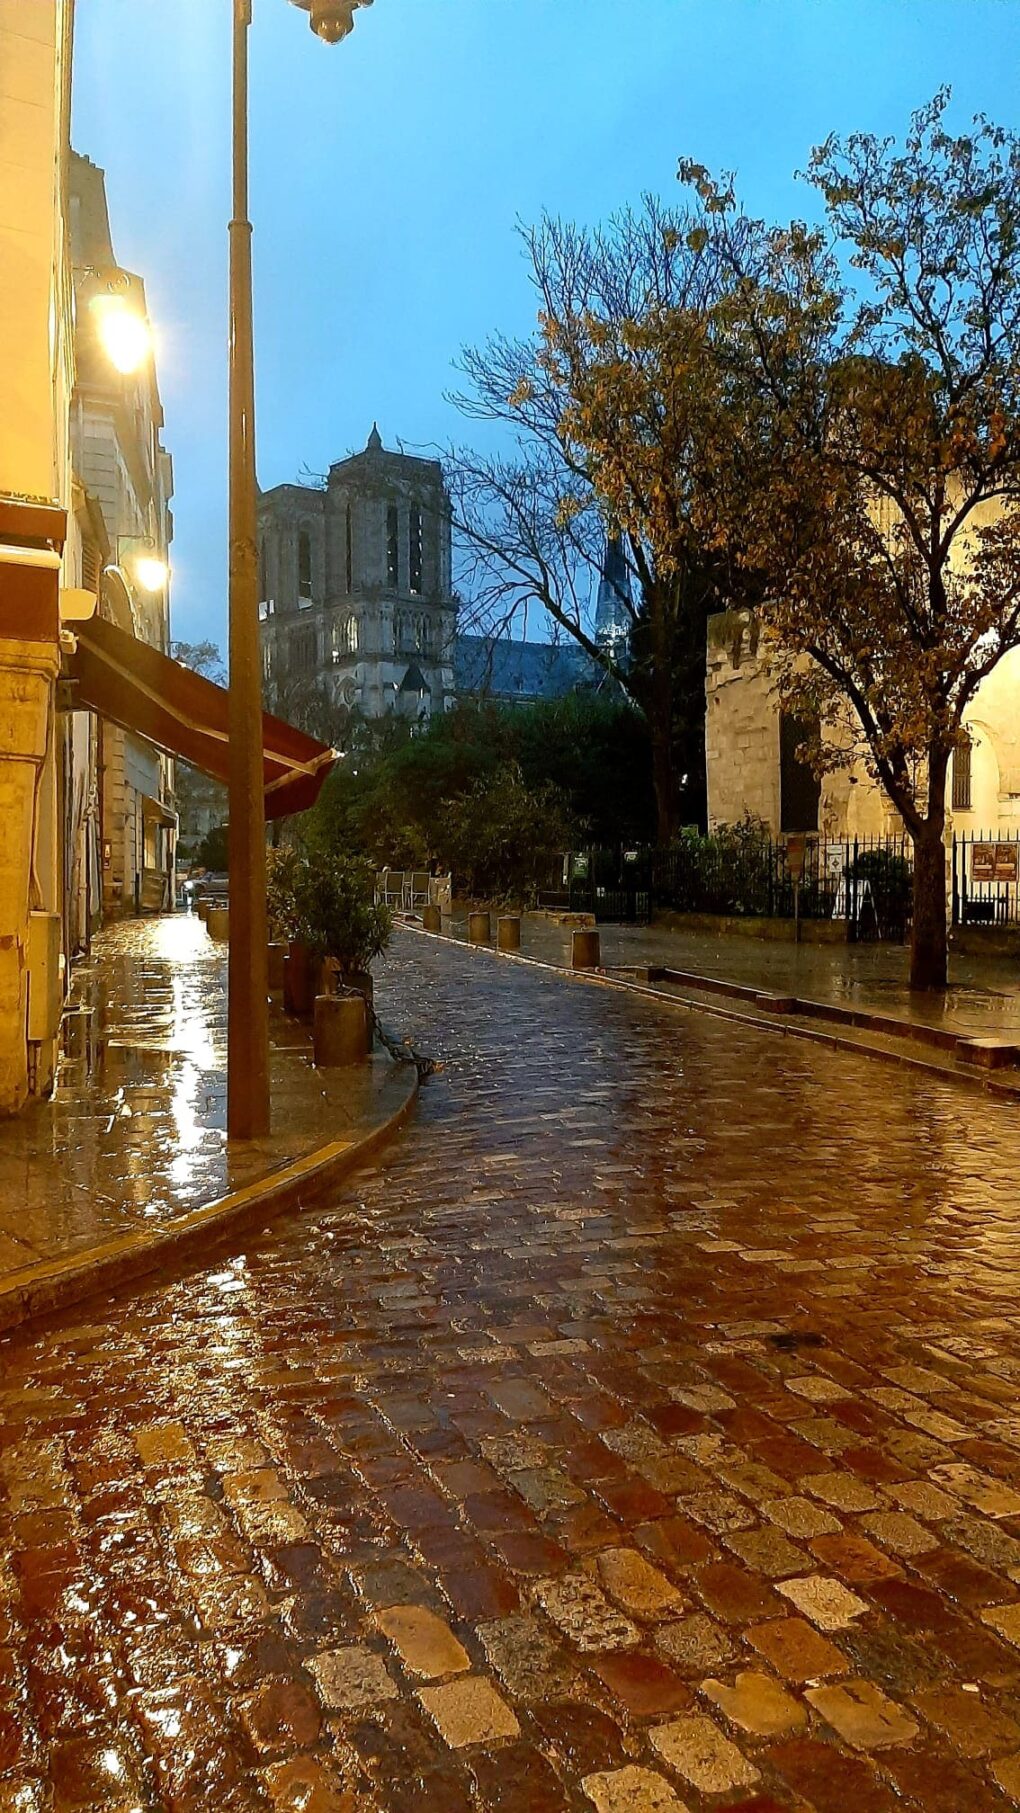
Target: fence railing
865, 882
985, 885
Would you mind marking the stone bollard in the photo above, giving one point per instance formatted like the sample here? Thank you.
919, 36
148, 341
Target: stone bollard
585, 952
219, 922
340, 1032
479, 928
275, 956
298, 990
508, 932
432, 919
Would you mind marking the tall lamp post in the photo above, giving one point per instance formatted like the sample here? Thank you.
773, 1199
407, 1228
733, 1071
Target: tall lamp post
248, 1004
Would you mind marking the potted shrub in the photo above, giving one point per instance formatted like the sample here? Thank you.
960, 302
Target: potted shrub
341, 925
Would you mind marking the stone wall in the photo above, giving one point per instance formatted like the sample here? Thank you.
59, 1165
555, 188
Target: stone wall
741, 725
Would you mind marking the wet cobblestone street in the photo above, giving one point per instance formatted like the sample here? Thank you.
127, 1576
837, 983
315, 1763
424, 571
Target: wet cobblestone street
640, 1435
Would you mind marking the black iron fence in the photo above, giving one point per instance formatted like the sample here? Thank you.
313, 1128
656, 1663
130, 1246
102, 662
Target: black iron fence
865, 883
986, 880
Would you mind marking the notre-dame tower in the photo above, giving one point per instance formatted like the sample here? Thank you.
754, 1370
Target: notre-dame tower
355, 585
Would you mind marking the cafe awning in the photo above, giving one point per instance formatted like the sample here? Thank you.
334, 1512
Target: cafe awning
142, 690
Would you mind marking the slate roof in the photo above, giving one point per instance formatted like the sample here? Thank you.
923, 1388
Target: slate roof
497, 668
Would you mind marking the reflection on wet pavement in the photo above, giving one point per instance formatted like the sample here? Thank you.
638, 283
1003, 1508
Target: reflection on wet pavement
983, 997
134, 1135
640, 1436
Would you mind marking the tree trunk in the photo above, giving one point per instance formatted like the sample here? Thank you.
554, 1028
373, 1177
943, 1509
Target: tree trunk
928, 945
664, 781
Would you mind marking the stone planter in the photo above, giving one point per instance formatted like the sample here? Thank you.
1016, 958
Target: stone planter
298, 984
276, 955
585, 951
219, 922
363, 982
340, 1031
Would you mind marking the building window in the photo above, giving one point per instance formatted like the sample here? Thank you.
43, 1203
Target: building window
350, 551
302, 651
961, 777
414, 549
304, 557
263, 573
392, 548
800, 788
345, 639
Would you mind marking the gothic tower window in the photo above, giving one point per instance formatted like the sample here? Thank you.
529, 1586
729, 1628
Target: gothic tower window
350, 551
392, 548
302, 651
263, 574
414, 549
961, 777
304, 564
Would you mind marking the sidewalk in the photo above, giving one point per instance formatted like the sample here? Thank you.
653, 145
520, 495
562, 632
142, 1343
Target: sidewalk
133, 1141
982, 1001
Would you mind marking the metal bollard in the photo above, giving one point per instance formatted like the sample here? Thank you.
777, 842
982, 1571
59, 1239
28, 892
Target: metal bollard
432, 919
585, 951
508, 933
479, 928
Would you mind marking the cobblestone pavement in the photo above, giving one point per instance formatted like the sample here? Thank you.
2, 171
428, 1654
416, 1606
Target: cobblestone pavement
134, 1136
983, 997
640, 1436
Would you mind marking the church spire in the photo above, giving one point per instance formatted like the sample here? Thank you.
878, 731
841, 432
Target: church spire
374, 442
613, 619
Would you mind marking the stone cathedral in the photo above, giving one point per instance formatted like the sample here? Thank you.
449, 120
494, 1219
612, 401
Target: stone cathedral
355, 585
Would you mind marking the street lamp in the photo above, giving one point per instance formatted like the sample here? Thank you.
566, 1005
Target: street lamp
118, 314
248, 977
148, 567
331, 20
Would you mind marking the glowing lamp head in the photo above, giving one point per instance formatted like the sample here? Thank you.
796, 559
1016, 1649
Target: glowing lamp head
124, 334
150, 572
331, 20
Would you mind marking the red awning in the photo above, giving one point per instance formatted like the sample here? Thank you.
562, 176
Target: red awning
135, 686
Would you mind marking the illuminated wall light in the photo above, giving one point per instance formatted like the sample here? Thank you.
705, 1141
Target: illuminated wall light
151, 572
125, 335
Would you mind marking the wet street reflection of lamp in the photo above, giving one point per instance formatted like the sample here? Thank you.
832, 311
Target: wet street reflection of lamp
248, 1005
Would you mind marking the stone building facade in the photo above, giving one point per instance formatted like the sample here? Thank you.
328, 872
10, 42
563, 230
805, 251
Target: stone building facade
356, 586
753, 766
125, 483
40, 556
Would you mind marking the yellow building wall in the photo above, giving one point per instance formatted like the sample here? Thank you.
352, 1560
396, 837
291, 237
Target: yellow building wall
36, 376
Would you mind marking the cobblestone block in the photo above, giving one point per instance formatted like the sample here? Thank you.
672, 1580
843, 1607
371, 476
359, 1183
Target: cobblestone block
469, 1711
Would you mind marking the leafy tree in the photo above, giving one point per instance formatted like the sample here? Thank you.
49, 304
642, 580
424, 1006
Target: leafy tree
212, 851
875, 479
502, 836
393, 803
202, 658
614, 424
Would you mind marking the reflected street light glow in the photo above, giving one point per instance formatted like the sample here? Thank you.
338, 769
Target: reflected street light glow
125, 334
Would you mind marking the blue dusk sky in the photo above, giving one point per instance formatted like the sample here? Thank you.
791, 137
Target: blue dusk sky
388, 173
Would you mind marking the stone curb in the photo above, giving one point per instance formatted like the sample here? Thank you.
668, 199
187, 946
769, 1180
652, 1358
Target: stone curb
782, 1022
53, 1285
